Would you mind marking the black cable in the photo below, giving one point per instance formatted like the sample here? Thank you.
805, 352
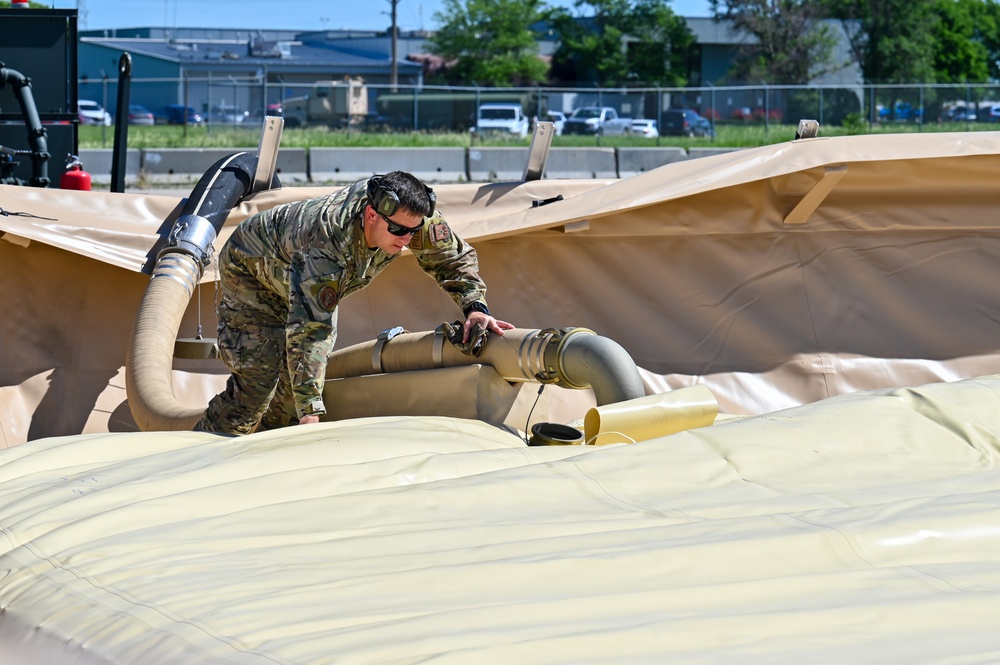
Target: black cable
11, 213
528, 419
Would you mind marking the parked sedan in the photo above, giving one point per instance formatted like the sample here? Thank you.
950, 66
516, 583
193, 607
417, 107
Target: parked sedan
91, 113
685, 122
178, 114
230, 115
140, 115
644, 127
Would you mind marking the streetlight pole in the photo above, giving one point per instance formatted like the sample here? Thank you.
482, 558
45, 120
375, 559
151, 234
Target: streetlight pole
394, 74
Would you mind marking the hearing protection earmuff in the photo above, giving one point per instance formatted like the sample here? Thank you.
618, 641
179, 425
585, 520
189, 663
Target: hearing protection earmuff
386, 201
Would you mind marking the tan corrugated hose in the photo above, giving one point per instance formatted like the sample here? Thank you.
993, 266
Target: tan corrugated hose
178, 268
148, 364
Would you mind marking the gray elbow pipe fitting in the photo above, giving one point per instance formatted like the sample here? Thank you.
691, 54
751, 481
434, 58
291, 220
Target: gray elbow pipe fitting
598, 362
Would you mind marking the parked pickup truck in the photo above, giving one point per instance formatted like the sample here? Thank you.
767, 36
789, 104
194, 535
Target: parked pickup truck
596, 120
506, 119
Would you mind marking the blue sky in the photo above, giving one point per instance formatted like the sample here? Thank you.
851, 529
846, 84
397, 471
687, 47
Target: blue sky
288, 14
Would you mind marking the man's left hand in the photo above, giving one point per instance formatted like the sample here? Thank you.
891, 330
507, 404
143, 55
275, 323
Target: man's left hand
486, 321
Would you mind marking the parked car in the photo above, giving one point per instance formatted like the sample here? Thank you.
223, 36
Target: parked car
644, 127
596, 120
685, 122
558, 119
140, 115
507, 119
230, 115
92, 113
178, 114
959, 114
900, 112
993, 115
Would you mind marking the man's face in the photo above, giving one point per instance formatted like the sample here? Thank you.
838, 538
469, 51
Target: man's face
378, 229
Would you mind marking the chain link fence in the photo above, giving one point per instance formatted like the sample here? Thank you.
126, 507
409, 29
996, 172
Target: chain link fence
233, 101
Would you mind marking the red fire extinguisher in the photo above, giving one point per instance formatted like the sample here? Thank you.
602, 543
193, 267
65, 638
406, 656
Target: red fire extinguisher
74, 177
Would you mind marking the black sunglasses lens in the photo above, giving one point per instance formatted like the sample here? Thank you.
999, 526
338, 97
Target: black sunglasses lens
400, 230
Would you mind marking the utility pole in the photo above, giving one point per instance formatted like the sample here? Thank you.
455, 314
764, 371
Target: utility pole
394, 75
81, 12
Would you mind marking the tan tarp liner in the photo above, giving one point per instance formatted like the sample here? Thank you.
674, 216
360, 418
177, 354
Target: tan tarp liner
775, 276
860, 529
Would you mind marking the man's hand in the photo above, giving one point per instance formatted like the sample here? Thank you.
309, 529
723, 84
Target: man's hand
487, 321
311, 419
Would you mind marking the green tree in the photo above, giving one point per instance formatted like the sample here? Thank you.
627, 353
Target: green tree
960, 55
490, 42
662, 48
791, 44
615, 42
988, 32
893, 40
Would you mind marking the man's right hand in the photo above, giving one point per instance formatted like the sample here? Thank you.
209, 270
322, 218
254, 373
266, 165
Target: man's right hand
311, 419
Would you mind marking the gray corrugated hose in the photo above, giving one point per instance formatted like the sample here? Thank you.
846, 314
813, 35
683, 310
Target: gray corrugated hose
572, 357
178, 269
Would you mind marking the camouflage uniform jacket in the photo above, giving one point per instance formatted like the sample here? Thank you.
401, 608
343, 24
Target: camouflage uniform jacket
310, 255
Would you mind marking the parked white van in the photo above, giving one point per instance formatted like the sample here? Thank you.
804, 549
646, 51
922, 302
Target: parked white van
502, 118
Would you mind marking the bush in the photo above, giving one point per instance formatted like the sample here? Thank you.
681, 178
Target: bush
853, 123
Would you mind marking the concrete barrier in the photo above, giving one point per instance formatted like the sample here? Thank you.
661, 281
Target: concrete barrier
97, 162
507, 164
632, 161
581, 163
292, 166
187, 165
173, 166
497, 164
184, 166
694, 153
351, 164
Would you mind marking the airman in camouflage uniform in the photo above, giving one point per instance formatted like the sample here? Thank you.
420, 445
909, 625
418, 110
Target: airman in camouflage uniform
285, 270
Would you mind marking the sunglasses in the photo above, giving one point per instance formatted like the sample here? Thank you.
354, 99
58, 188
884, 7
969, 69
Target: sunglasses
399, 230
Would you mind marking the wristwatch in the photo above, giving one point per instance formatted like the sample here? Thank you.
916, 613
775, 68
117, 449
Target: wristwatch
477, 307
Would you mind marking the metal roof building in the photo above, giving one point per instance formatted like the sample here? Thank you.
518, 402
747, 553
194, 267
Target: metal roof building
205, 67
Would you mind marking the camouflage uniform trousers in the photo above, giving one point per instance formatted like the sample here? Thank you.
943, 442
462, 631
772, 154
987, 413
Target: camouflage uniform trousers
258, 394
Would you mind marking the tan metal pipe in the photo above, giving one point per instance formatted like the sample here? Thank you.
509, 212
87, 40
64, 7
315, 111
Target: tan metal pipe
571, 357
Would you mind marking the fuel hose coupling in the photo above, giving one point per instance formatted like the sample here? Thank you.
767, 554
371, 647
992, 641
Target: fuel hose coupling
542, 356
192, 235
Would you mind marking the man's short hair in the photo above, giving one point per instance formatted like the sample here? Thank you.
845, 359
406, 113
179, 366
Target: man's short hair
411, 193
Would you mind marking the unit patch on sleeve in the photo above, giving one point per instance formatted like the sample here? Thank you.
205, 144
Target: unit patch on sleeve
440, 233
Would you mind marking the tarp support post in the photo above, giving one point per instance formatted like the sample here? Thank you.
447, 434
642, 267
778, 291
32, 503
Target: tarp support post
538, 151
814, 197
